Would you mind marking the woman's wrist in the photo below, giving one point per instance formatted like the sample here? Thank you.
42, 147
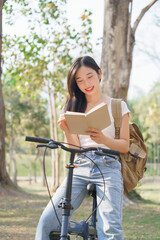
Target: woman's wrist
67, 132
106, 140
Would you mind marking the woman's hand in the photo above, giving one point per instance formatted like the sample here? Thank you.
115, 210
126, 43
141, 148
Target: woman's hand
70, 138
96, 135
62, 123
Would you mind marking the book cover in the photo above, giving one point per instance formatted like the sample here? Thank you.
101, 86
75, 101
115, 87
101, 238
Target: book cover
98, 118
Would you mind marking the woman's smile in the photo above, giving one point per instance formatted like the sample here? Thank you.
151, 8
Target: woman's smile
89, 89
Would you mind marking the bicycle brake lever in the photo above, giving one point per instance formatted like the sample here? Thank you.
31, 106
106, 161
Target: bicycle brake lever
100, 153
52, 146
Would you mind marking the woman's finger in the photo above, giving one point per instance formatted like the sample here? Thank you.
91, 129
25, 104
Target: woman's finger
93, 130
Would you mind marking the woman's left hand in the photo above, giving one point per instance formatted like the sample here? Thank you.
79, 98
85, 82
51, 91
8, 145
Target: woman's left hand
96, 135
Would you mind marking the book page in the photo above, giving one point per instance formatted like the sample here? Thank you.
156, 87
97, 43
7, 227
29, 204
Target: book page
99, 118
75, 113
96, 107
77, 123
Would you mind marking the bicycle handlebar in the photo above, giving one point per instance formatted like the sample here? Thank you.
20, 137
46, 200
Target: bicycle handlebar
54, 144
37, 139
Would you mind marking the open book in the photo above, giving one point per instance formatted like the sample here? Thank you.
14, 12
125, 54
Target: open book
98, 118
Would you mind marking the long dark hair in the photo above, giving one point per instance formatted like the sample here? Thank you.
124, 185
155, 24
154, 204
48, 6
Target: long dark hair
76, 100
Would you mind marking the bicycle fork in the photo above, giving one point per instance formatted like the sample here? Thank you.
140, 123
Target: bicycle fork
66, 201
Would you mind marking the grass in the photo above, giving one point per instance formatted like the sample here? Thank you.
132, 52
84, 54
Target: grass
19, 213
141, 220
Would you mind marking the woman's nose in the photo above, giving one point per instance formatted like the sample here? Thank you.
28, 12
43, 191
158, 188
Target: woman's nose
87, 83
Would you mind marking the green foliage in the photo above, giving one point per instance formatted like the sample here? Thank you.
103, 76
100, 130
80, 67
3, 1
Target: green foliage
36, 64
44, 55
145, 111
23, 115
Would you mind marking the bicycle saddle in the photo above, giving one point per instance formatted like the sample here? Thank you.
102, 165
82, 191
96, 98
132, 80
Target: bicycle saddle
91, 188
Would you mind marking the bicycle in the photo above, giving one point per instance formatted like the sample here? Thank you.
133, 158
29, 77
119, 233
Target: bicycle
83, 229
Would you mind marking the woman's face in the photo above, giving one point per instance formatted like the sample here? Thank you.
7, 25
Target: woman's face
88, 80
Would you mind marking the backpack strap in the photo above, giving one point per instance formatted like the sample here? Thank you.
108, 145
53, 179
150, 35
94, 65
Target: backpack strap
117, 115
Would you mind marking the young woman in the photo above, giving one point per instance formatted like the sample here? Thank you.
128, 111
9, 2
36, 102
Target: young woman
84, 93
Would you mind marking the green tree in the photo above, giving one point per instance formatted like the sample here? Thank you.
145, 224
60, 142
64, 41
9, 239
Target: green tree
24, 115
145, 111
153, 122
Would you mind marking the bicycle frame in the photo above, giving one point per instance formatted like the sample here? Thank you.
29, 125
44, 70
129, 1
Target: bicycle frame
83, 228
69, 227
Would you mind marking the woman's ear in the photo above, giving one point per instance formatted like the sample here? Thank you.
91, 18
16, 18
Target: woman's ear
100, 74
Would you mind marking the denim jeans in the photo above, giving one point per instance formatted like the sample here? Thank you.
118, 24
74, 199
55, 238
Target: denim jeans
109, 212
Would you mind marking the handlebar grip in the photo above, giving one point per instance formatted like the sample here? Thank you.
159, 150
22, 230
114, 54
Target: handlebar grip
110, 151
37, 139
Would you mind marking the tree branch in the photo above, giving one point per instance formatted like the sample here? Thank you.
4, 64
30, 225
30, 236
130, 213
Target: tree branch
129, 26
4, 2
144, 10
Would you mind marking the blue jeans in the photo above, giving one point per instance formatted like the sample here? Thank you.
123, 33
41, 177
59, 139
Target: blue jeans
109, 213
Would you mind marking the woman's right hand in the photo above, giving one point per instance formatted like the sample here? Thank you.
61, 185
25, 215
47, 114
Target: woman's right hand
63, 124
70, 138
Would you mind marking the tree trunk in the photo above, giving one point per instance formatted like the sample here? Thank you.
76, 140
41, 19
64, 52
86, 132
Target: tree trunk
34, 163
64, 163
117, 49
42, 170
57, 154
116, 59
53, 155
4, 177
13, 160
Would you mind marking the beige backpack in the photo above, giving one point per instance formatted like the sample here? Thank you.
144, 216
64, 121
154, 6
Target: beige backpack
133, 162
